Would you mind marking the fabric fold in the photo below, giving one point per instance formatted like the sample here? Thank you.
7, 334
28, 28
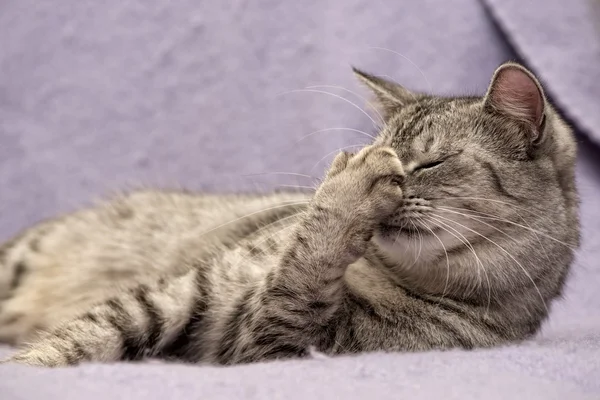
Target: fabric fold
560, 41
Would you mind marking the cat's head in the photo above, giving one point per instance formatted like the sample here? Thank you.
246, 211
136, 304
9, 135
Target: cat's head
490, 204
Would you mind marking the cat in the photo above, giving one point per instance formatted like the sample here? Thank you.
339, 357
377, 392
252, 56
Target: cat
455, 228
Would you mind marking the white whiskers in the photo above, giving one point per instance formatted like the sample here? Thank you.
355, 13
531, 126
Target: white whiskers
501, 249
336, 96
446, 227
300, 187
280, 173
420, 244
410, 61
496, 218
281, 205
447, 263
336, 129
369, 103
334, 152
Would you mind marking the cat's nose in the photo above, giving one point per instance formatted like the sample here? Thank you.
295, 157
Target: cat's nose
409, 194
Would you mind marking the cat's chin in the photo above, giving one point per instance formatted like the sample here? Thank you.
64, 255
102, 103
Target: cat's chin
401, 244
405, 237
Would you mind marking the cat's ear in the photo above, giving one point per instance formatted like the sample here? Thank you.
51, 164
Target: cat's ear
516, 93
390, 96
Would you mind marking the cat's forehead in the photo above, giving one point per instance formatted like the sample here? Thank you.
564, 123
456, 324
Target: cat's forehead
432, 123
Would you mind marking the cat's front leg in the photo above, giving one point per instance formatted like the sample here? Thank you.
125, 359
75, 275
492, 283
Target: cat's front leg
295, 307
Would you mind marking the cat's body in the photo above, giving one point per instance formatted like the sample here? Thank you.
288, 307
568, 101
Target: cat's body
62, 267
456, 228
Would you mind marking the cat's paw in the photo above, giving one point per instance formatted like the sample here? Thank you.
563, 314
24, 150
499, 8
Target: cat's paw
365, 186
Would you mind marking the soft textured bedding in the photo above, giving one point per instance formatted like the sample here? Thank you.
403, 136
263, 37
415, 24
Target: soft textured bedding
96, 97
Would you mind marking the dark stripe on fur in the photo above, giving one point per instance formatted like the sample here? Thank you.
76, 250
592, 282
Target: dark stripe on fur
279, 290
278, 321
19, 272
348, 338
328, 338
497, 180
41, 231
439, 303
12, 319
430, 139
269, 217
318, 305
255, 251
34, 243
231, 330
183, 346
155, 325
3, 254
119, 320
410, 129
266, 339
74, 353
302, 240
8, 246
362, 304
90, 317
71, 357
456, 309
284, 350
446, 326
81, 352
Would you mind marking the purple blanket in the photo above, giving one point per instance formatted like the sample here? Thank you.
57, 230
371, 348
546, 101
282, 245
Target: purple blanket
98, 96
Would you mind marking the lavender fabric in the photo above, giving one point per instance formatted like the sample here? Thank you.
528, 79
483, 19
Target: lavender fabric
101, 96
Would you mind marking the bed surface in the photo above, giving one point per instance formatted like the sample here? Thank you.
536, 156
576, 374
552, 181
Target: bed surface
99, 96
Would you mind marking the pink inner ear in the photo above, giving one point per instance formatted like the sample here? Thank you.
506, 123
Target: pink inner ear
515, 93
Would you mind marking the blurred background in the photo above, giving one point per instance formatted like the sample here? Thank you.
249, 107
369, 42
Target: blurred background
100, 96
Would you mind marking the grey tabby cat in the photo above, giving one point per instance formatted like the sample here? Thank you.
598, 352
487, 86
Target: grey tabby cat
455, 228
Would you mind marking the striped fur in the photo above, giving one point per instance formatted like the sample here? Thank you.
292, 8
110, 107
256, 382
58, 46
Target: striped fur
456, 228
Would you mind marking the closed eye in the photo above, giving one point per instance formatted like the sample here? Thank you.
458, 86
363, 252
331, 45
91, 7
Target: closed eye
429, 165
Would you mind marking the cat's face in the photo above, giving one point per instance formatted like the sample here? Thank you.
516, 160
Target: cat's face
458, 156
489, 193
